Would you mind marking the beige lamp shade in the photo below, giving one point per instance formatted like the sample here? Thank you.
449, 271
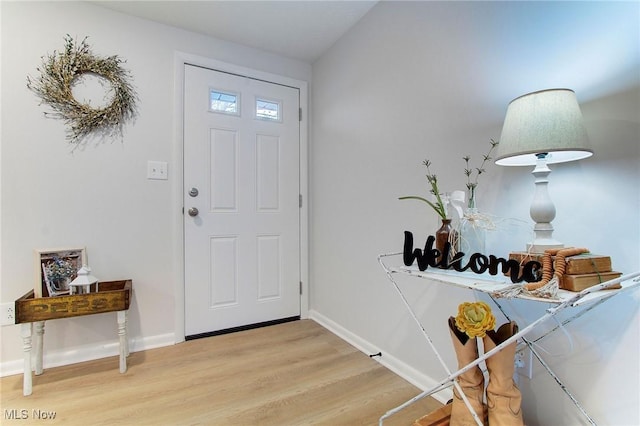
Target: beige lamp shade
544, 122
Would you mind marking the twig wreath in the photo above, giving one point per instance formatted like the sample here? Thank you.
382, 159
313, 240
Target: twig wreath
58, 74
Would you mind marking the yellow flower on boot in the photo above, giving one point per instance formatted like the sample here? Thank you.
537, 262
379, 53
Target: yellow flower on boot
475, 318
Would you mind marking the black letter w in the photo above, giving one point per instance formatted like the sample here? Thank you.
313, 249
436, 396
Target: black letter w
409, 254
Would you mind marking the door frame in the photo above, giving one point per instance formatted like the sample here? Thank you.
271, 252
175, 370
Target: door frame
181, 59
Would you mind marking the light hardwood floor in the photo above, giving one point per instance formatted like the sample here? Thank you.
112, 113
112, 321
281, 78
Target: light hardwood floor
290, 374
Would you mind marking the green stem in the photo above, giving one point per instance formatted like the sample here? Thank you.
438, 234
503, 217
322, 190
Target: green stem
439, 208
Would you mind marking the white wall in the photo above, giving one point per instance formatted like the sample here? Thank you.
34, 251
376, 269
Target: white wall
416, 80
98, 197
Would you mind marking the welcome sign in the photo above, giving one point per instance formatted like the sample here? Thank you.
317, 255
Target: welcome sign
478, 262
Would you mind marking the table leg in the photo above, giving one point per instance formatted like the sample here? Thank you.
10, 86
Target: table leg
122, 333
25, 332
126, 330
39, 328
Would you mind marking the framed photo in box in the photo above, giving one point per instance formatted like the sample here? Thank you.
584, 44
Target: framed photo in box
55, 269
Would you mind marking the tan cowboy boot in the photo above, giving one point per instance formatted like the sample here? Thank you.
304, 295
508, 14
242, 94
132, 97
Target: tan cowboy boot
471, 382
503, 396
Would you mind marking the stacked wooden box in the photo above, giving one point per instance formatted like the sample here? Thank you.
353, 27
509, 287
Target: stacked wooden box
582, 271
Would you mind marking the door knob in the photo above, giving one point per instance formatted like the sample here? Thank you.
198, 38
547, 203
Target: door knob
193, 212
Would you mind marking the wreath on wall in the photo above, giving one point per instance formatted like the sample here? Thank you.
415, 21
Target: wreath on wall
58, 74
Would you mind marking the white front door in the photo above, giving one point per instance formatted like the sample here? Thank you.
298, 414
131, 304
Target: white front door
241, 208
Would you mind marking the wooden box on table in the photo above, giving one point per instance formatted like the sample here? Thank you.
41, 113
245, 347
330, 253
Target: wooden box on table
111, 296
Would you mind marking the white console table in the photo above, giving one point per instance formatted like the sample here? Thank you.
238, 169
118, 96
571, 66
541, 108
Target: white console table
489, 285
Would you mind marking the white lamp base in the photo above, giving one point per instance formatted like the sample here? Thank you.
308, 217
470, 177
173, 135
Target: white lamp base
542, 210
539, 246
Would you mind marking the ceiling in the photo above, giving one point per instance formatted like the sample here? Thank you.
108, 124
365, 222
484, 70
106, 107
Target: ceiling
302, 30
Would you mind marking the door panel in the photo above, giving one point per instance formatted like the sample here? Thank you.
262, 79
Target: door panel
224, 153
242, 260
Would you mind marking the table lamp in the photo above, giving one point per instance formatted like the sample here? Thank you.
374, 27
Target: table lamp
542, 128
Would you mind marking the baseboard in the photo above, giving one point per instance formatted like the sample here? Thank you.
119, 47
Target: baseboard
402, 369
87, 353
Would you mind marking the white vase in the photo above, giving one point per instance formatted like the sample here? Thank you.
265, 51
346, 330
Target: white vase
473, 234
473, 229
59, 286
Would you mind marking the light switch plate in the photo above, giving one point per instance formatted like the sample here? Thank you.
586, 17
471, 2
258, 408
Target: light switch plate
157, 170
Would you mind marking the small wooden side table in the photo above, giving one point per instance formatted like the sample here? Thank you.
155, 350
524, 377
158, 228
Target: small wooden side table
113, 296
